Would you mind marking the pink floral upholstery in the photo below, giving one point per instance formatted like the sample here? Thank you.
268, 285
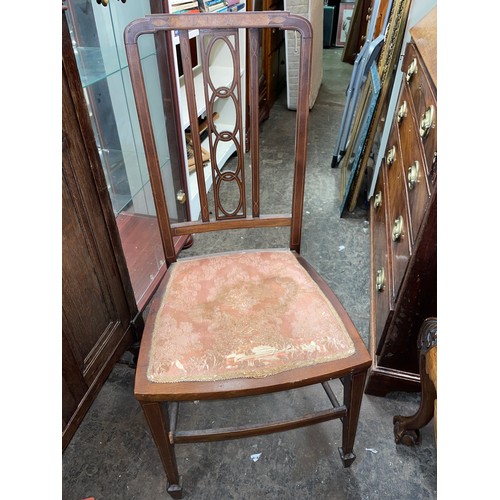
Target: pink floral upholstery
248, 314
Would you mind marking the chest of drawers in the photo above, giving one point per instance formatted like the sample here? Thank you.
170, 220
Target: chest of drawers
403, 223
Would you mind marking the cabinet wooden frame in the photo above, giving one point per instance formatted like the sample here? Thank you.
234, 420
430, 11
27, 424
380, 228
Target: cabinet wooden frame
92, 254
395, 319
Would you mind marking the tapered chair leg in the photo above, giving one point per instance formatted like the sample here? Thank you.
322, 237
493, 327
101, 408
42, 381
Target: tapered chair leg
353, 393
160, 428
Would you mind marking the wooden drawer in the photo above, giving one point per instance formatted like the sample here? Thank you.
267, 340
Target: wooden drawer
400, 242
381, 275
416, 186
395, 321
422, 94
427, 107
414, 72
381, 261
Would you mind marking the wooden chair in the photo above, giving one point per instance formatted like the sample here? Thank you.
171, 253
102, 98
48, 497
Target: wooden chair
242, 323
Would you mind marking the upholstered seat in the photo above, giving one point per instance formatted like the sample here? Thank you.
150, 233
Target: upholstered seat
249, 314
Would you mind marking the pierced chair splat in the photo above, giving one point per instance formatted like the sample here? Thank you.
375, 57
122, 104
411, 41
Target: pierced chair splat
239, 323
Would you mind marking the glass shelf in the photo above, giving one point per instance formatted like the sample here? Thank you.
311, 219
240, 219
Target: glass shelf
119, 187
97, 63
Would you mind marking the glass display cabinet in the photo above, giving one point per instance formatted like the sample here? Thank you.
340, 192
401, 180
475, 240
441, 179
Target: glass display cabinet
96, 28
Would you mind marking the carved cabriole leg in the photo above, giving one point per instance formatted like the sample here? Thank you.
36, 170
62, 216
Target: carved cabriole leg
406, 429
353, 393
159, 427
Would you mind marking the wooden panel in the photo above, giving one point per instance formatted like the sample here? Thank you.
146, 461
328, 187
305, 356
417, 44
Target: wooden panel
418, 194
400, 249
411, 75
429, 139
423, 94
395, 360
97, 301
74, 386
381, 259
424, 36
417, 301
80, 280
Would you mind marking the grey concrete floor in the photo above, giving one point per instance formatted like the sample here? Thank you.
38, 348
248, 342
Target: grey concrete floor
112, 455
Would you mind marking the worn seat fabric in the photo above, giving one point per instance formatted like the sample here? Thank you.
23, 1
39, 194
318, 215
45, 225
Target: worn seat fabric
248, 314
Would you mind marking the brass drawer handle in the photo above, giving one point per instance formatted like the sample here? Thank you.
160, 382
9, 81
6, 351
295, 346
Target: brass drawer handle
412, 69
181, 196
413, 174
427, 121
377, 202
380, 279
402, 111
397, 229
390, 156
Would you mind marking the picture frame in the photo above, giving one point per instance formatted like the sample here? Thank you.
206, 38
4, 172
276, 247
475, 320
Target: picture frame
346, 10
362, 122
386, 66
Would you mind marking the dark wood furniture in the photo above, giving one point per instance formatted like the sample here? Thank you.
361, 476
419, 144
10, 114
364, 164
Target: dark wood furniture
357, 30
273, 56
99, 315
272, 76
407, 429
204, 338
403, 223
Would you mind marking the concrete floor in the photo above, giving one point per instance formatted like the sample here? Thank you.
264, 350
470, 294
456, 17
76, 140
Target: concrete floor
112, 455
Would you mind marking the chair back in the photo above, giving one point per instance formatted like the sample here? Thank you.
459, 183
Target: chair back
228, 30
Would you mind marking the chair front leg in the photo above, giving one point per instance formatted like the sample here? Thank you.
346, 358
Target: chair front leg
160, 428
353, 394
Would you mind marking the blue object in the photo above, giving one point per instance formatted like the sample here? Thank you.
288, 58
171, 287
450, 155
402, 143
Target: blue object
328, 14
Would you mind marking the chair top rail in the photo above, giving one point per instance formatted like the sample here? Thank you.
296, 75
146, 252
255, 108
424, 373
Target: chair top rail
208, 20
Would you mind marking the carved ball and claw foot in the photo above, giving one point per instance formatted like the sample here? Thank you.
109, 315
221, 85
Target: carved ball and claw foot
408, 437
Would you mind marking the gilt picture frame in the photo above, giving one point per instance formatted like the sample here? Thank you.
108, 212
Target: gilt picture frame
386, 66
356, 146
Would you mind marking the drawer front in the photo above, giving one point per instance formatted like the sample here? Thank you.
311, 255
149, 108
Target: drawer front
398, 218
420, 91
381, 275
416, 183
426, 115
414, 71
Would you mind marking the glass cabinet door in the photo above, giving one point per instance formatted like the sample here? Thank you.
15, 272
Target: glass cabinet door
97, 36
